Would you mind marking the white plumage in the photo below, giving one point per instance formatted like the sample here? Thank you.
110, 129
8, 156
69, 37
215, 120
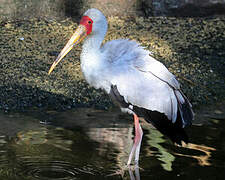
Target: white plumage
142, 82
140, 79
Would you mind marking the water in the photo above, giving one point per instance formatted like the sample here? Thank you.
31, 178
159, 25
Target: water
94, 144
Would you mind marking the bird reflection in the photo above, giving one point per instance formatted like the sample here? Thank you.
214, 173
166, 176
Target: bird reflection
155, 139
203, 160
167, 158
122, 138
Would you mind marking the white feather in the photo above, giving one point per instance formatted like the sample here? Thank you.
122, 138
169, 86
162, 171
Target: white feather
140, 79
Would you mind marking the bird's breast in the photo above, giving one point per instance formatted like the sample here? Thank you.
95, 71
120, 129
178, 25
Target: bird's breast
95, 72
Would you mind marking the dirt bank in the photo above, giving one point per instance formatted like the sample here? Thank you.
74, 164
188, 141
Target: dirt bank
192, 48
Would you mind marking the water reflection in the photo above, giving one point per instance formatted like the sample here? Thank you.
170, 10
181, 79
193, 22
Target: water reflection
57, 153
44, 135
155, 139
203, 160
91, 144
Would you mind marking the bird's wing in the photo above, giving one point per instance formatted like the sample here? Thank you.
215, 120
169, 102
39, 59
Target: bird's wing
146, 91
140, 79
127, 52
149, 65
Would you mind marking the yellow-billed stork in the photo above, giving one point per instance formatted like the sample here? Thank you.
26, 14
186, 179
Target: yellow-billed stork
141, 85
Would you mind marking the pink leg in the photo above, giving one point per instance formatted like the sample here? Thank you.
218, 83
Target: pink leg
137, 141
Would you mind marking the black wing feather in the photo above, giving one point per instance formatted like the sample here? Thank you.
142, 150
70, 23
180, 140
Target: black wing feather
174, 131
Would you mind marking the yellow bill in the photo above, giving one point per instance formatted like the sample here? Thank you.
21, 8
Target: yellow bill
78, 36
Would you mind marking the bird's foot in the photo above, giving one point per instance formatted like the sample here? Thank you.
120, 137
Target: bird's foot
134, 171
122, 170
133, 166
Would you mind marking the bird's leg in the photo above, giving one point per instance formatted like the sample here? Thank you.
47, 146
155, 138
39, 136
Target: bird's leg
140, 134
137, 141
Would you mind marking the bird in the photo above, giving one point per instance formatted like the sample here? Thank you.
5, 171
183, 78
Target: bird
138, 83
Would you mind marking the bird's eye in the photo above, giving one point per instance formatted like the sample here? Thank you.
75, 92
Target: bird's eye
89, 22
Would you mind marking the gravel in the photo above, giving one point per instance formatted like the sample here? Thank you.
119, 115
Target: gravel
192, 48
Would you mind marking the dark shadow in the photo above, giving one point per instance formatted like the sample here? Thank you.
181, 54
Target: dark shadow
16, 97
191, 10
73, 8
149, 8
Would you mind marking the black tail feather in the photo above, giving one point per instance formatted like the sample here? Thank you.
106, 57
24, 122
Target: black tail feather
186, 111
187, 114
174, 131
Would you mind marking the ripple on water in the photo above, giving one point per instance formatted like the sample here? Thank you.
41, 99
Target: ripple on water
3, 151
58, 170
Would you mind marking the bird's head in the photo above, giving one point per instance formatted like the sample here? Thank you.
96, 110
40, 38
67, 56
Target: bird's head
93, 22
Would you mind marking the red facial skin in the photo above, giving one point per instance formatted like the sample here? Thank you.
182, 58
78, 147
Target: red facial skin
87, 23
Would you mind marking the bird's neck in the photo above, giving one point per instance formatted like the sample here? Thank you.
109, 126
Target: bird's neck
91, 53
92, 43
92, 61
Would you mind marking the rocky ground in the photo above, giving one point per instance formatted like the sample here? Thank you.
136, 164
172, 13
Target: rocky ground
192, 48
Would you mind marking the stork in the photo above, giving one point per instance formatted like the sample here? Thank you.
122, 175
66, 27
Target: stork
141, 85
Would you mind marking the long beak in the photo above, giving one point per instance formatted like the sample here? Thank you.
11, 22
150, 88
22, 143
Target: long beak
78, 36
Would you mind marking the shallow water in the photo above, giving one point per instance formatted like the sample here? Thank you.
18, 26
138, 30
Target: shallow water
94, 144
